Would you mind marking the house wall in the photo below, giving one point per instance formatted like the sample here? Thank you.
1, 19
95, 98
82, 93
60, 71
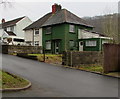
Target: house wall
99, 44
91, 48
38, 37
58, 32
21, 25
61, 31
1, 32
29, 35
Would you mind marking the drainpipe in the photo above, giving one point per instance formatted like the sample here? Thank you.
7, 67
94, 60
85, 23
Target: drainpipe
33, 37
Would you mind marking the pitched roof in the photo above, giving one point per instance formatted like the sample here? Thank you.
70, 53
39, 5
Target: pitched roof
10, 33
63, 16
11, 22
59, 17
37, 24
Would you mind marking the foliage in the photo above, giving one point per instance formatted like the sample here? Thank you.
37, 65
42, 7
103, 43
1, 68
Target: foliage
107, 25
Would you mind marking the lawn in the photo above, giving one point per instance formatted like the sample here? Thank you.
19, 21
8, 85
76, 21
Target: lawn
8, 80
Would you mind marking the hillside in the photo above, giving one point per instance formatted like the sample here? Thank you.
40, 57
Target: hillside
107, 24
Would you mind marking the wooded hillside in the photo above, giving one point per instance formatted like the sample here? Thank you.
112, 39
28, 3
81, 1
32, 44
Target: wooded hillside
107, 24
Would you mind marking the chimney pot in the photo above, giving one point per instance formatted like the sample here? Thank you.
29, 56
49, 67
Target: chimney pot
3, 20
55, 8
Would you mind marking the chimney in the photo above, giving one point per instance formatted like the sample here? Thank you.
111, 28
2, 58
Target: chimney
56, 8
3, 20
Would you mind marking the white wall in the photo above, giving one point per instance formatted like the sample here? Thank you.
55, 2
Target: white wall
38, 37
1, 32
84, 34
21, 25
29, 36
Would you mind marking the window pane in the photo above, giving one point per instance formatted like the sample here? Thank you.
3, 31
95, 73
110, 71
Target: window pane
36, 31
90, 43
48, 30
71, 28
36, 43
71, 43
48, 45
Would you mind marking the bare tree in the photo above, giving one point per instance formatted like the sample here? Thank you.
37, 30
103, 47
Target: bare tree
110, 26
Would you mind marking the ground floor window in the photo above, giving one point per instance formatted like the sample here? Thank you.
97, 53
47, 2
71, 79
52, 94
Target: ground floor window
36, 43
91, 43
104, 41
48, 45
71, 43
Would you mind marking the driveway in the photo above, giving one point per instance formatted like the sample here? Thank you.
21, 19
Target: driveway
57, 81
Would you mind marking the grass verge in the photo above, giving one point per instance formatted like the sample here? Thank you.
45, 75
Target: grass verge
49, 58
92, 68
8, 80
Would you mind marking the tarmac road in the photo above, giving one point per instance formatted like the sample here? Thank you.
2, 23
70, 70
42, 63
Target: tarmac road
56, 81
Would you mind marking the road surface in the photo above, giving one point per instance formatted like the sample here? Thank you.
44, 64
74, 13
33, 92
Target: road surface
56, 81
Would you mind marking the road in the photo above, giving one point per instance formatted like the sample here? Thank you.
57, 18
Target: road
56, 81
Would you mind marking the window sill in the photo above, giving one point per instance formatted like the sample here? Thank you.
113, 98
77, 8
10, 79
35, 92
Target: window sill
72, 32
47, 33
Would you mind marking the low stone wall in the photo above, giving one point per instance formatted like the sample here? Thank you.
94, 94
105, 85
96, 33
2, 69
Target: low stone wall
12, 49
86, 58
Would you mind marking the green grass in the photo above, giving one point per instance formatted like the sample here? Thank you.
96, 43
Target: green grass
116, 74
45, 54
11, 81
92, 68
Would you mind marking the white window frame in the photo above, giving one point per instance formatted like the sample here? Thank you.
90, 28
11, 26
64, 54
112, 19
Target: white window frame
48, 45
36, 43
35, 32
72, 28
91, 43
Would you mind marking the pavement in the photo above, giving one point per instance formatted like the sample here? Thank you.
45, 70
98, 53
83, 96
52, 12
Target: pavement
56, 81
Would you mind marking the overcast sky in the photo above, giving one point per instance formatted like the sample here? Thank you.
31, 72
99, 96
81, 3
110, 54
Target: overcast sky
35, 9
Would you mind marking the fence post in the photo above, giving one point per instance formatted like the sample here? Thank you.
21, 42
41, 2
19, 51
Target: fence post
43, 54
71, 58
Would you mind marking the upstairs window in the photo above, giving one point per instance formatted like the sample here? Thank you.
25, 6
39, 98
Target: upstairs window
48, 30
72, 28
91, 43
12, 28
36, 31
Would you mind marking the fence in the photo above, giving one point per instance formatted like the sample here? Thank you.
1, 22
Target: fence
85, 57
111, 57
11, 49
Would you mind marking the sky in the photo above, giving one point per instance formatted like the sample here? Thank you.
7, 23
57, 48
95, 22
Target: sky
35, 9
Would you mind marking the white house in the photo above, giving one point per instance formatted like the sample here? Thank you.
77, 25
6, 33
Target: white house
33, 33
14, 27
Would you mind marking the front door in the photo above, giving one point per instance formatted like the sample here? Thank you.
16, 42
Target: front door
81, 46
57, 44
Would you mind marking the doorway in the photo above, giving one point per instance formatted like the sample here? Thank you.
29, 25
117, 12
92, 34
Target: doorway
81, 46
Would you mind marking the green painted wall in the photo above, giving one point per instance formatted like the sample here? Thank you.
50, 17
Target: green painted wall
62, 33
98, 46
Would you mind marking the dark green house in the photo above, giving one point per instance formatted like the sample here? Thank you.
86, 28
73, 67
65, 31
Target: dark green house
60, 31
64, 31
